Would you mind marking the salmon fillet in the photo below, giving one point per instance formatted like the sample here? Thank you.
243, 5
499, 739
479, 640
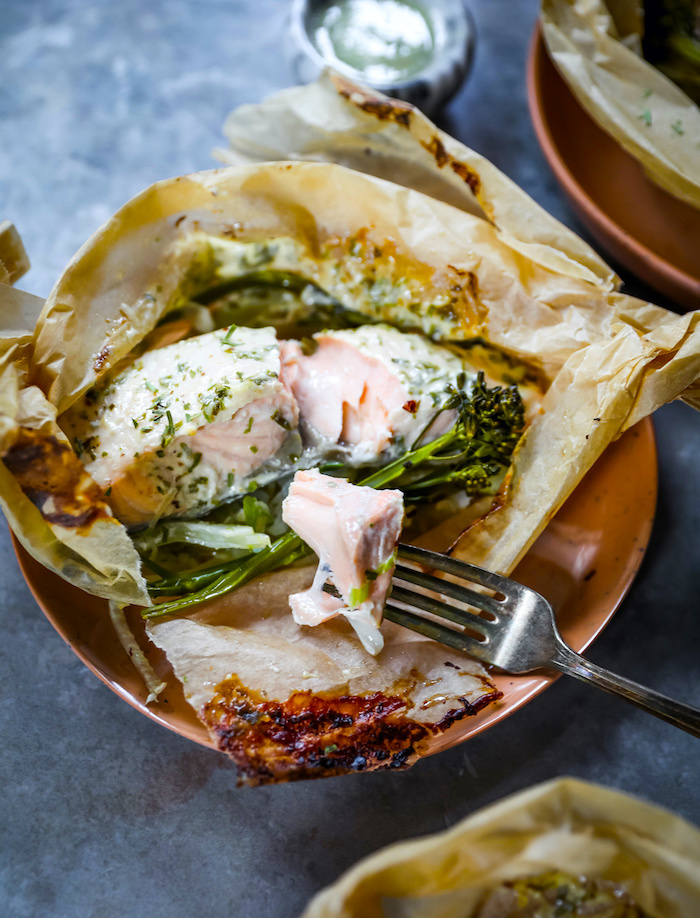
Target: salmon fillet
188, 426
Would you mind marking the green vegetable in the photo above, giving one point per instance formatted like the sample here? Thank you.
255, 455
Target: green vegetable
469, 455
477, 449
286, 280
256, 513
671, 42
208, 535
284, 551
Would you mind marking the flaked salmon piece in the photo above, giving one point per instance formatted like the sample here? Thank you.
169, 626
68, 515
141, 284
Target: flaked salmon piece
354, 531
187, 426
369, 391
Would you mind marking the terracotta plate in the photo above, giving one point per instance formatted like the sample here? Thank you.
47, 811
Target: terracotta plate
646, 229
584, 563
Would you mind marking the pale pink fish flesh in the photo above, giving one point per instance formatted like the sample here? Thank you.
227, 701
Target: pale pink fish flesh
371, 391
354, 531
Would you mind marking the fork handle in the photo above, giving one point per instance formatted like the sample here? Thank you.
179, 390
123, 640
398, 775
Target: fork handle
677, 713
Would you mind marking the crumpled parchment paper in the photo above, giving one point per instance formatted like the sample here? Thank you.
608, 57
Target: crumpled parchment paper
596, 46
565, 824
513, 277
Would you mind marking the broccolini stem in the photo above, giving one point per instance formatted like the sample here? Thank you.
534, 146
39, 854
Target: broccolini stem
269, 559
187, 582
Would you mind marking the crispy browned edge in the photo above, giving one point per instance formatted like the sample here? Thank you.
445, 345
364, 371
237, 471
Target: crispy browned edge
320, 735
401, 113
55, 481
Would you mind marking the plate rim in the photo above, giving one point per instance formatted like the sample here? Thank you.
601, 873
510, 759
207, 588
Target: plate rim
682, 286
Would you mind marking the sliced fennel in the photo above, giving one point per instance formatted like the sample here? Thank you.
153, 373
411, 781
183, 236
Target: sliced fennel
126, 638
207, 535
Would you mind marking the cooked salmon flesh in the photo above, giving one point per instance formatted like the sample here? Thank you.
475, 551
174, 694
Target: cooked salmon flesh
354, 531
368, 392
188, 426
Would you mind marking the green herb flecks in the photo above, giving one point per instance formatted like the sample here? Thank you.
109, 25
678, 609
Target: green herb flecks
169, 433
280, 419
358, 595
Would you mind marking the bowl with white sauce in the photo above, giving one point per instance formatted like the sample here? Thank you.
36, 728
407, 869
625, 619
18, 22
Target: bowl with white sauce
413, 50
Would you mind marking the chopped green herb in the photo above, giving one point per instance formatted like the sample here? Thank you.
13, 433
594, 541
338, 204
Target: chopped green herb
150, 386
309, 346
280, 419
169, 434
645, 117
358, 595
387, 565
677, 126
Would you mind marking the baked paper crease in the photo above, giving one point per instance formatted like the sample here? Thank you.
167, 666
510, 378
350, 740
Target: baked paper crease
334, 120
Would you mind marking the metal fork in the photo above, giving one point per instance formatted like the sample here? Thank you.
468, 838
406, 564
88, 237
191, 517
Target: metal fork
520, 635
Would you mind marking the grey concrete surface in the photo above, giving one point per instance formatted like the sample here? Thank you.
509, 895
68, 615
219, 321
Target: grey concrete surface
105, 814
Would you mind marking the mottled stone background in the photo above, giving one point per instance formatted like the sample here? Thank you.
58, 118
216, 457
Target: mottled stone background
106, 814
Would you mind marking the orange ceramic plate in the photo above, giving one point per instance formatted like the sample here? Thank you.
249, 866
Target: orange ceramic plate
584, 563
646, 229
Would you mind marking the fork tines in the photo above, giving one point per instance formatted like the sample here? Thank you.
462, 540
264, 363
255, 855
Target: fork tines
434, 606
461, 569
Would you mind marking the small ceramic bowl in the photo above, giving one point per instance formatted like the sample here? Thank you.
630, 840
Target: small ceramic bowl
453, 38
